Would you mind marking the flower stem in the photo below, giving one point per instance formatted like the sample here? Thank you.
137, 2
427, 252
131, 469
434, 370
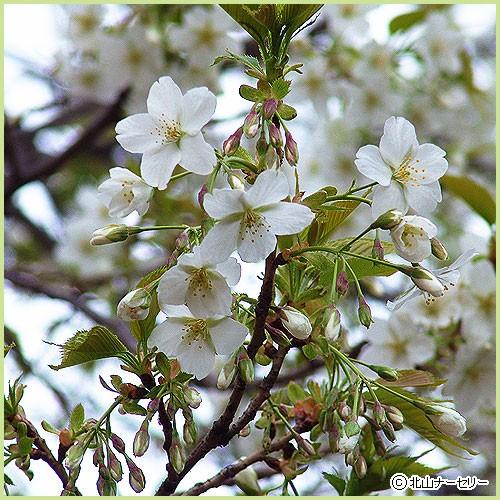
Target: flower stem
349, 197
366, 186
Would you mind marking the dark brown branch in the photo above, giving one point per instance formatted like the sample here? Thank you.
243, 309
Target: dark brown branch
73, 296
231, 470
220, 433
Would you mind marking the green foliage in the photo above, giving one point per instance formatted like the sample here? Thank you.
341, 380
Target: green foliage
77, 418
286, 112
252, 94
406, 21
475, 195
281, 88
90, 345
414, 378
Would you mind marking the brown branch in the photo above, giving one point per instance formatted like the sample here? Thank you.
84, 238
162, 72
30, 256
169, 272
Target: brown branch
231, 470
73, 296
21, 175
44, 451
220, 433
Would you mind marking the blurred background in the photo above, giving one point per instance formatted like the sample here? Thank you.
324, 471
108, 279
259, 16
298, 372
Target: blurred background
71, 72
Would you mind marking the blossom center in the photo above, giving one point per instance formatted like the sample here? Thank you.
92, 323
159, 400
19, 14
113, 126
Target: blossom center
410, 233
168, 131
195, 330
127, 192
407, 171
199, 282
252, 225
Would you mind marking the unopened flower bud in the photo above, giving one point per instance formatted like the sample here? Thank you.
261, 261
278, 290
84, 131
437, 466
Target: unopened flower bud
136, 477
251, 124
377, 249
360, 467
305, 446
379, 413
447, 420
111, 233
141, 439
395, 416
269, 108
235, 182
118, 443
135, 305
247, 481
385, 372
232, 143
388, 430
114, 466
388, 220
261, 357
291, 149
426, 281
380, 447
153, 406
332, 328
201, 194
227, 374
296, 323
342, 283
176, 453
344, 411
192, 397
438, 249
245, 432
262, 146
245, 367
364, 312
66, 438
182, 241
333, 439
74, 455
275, 136
189, 432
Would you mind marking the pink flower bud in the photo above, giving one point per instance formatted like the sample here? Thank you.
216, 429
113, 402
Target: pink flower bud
232, 143
377, 250
269, 108
364, 313
291, 149
136, 477
201, 194
251, 124
275, 136
342, 283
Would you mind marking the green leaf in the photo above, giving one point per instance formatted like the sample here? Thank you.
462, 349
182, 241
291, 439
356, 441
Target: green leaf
90, 345
380, 472
416, 419
474, 194
295, 392
337, 482
250, 62
414, 378
25, 444
77, 418
251, 94
405, 21
281, 88
134, 408
245, 16
287, 112
49, 427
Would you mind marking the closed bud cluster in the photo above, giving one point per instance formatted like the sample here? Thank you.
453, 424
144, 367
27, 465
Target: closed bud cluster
342, 283
388, 220
296, 323
251, 124
438, 249
232, 143
291, 149
141, 439
245, 366
364, 312
135, 305
269, 108
332, 328
111, 233
395, 417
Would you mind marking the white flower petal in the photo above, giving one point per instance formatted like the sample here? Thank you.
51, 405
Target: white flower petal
136, 133
123, 174
197, 155
255, 243
165, 99
177, 311
430, 163
213, 300
198, 360
388, 198
421, 198
287, 218
167, 336
270, 186
398, 140
227, 335
370, 163
198, 106
403, 298
231, 270
223, 203
172, 288
157, 167
222, 238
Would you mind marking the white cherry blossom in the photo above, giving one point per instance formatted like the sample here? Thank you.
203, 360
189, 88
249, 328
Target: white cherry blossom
446, 277
407, 172
170, 132
250, 221
412, 237
195, 340
398, 343
200, 280
124, 192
